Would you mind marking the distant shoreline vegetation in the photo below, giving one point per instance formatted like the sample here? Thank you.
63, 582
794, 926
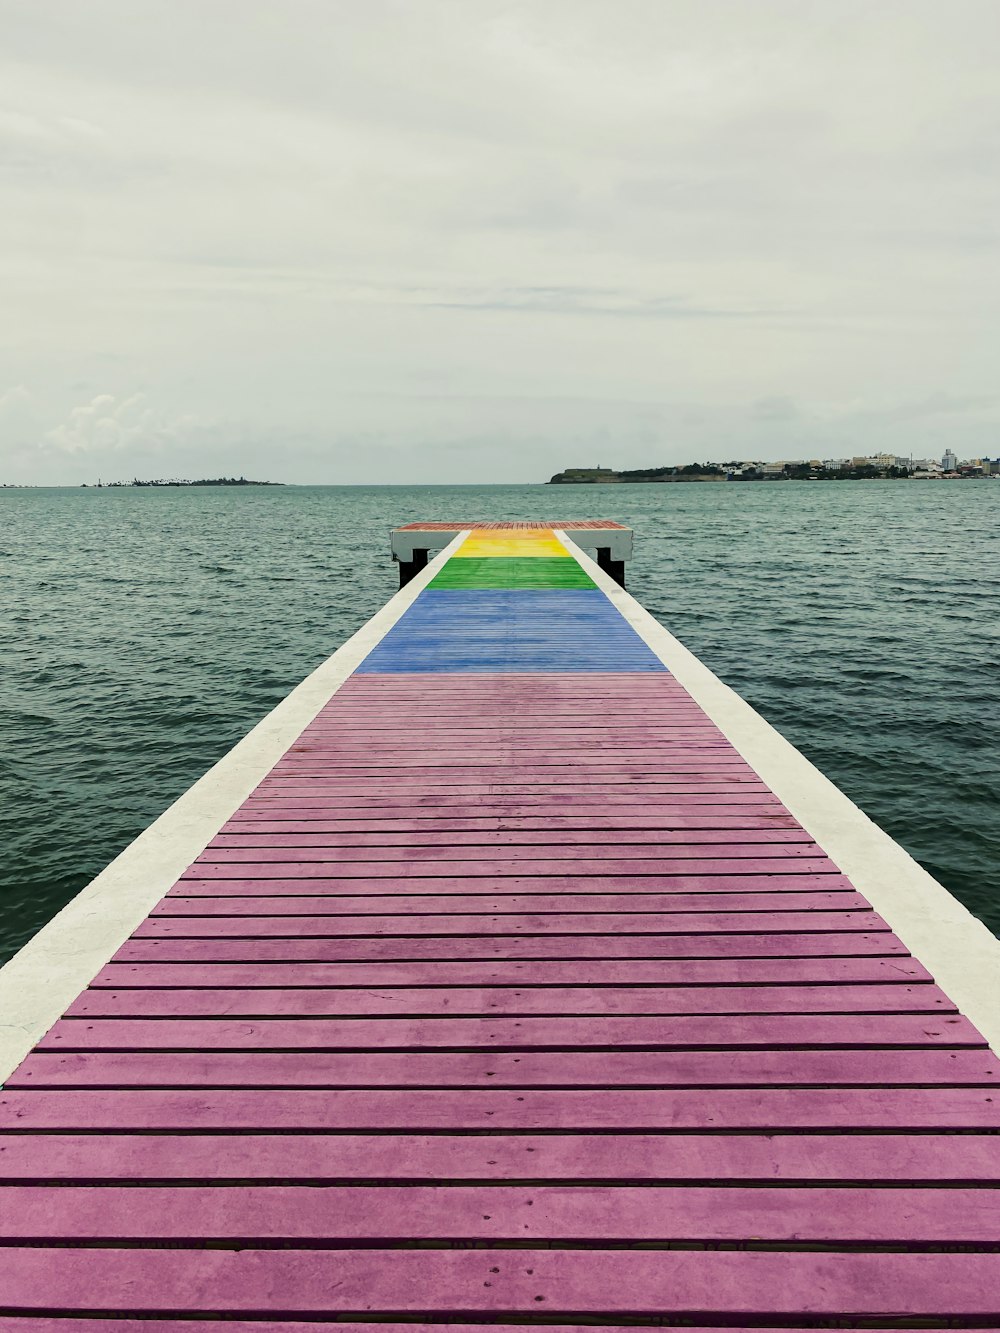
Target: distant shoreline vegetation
878, 468
209, 481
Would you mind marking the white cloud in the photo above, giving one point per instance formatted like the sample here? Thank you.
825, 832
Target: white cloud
109, 425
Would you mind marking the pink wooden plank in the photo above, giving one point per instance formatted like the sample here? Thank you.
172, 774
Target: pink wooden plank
34, 1324
319, 1282
751, 865
245, 824
608, 925
359, 742
495, 906
667, 803
254, 1068
529, 948
614, 851
769, 1159
319, 1110
549, 751
484, 782
381, 889
744, 1030
674, 762
303, 1002
509, 838
811, 972
537, 1214
664, 796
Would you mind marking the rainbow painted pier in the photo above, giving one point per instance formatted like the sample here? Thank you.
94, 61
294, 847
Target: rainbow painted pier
513, 971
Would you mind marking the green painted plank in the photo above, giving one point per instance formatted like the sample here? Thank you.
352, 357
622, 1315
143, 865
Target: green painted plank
512, 572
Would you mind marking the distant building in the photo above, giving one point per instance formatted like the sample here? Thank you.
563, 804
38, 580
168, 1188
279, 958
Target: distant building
949, 462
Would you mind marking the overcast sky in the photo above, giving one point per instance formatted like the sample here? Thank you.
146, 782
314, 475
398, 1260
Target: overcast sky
466, 240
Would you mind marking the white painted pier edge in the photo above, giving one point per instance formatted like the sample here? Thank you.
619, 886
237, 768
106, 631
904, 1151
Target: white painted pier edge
961, 953
43, 979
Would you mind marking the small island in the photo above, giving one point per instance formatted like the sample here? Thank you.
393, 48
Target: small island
180, 481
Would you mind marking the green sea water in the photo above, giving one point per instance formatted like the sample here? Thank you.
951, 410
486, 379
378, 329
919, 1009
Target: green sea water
143, 632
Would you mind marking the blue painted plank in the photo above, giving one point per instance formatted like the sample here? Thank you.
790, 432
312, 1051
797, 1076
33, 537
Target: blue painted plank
512, 631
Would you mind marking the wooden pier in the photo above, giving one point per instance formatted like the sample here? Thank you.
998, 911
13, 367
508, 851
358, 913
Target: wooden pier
515, 972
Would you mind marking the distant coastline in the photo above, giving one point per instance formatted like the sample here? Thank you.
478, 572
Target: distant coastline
877, 467
210, 481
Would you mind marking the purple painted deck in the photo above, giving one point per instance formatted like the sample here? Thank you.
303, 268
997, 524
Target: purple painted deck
509, 997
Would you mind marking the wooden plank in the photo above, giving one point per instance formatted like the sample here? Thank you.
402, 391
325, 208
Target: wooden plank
807, 972
599, 799
923, 1000
613, 1110
686, 1031
456, 948
681, 787
540, 837
761, 1159
217, 890
208, 1067
35, 1324
431, 821
538, 1214
618, 925
328, 1283
496, 906
612, 852
751, 865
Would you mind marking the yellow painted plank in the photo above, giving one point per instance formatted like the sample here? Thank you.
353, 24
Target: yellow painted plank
485, 544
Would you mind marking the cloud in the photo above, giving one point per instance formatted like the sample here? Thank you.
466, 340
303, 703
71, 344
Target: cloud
14, 400
573, 210
110, 425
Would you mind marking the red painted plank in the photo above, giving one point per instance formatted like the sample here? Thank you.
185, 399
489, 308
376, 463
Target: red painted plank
619, 1069
904, 1108
762, 1031
923, 1000
807, 971
539, 1214
665, 1158
318, 1282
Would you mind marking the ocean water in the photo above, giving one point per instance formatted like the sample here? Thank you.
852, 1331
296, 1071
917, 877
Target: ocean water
143, 632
